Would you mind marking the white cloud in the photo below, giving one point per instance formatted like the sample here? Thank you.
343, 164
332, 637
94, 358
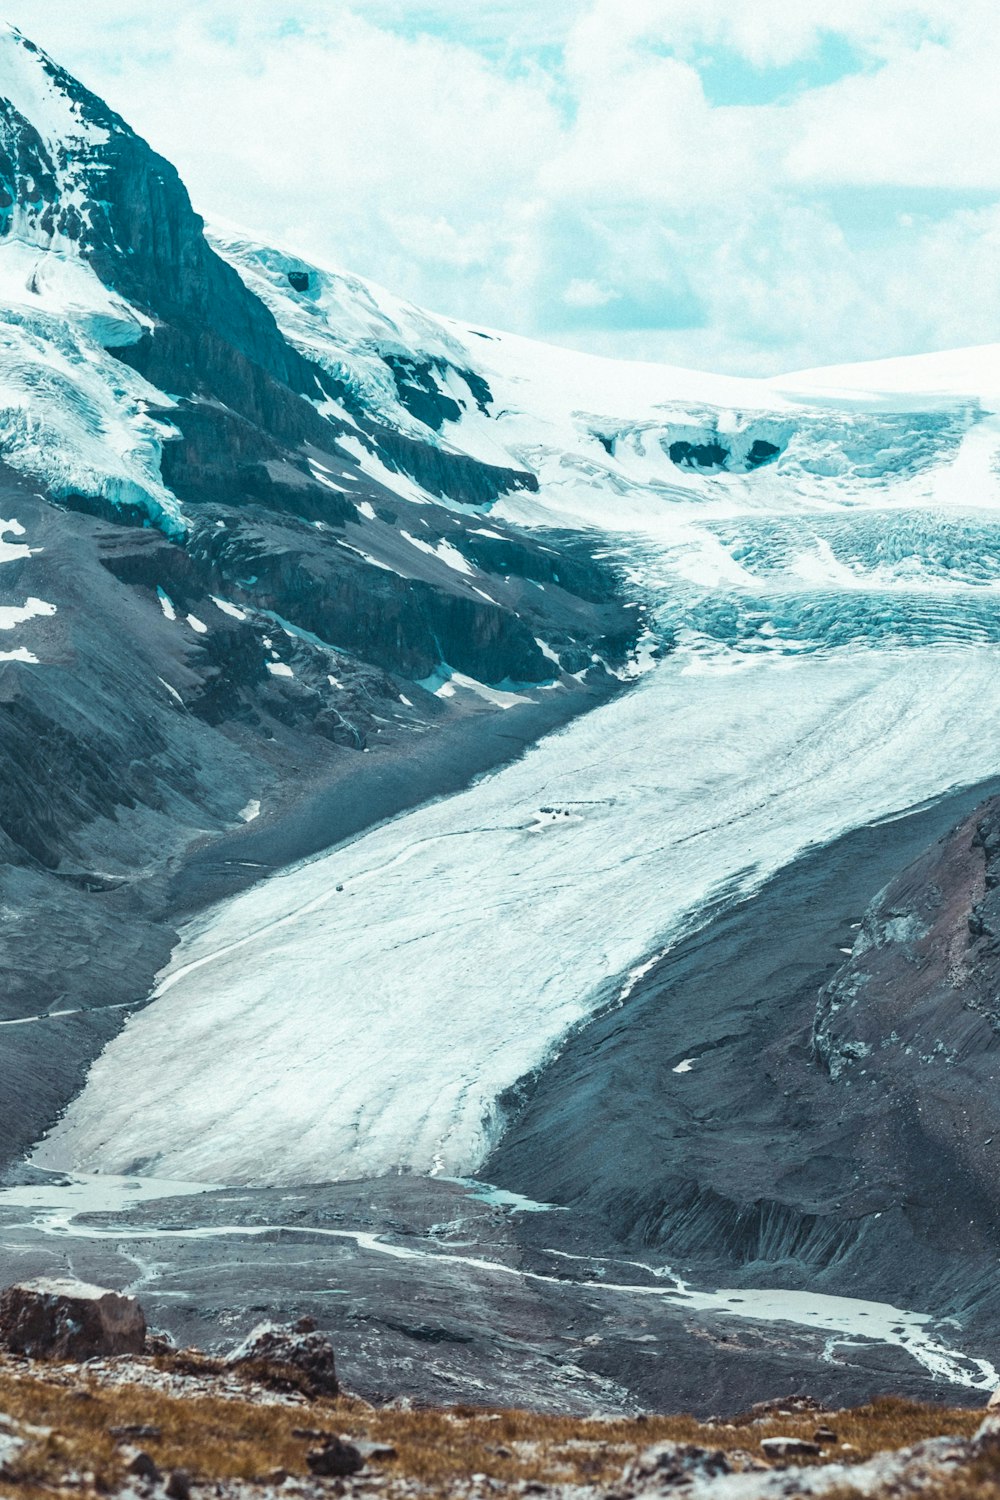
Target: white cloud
768, 33
588, 294
927, 118
565, 170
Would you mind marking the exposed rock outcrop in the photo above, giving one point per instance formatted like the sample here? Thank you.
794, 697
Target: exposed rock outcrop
836, 1127
300, 1356
69, 1320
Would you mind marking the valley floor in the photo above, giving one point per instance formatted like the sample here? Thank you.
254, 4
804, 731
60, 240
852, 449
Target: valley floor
447, 1291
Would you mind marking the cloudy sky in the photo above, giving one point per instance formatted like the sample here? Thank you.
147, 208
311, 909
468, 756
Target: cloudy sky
747, 185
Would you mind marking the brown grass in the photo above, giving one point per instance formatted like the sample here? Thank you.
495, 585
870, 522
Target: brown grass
217, 1438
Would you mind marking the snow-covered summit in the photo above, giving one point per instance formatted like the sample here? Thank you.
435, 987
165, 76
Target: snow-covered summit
51, 132
74, 417
618, 444
45, 95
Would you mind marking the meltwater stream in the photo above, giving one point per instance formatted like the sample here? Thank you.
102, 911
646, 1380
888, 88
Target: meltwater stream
364, 1011
78, 1211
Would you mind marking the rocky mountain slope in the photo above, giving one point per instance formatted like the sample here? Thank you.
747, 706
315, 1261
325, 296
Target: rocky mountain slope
216, 596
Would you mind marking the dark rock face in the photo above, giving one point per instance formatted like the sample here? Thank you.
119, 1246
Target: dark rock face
403, 624
136, 227
247, 413
912, 1023
66, 1319
449, 475
422, 395
834, 1127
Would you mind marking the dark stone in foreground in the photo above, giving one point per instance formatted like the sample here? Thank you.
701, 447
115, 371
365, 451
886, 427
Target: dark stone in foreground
65, 1319
335, 1460
179, 1485
144, 1467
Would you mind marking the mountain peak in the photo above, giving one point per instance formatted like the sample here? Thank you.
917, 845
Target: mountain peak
51, 134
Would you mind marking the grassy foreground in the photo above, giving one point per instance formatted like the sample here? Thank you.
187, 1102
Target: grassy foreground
81, 1427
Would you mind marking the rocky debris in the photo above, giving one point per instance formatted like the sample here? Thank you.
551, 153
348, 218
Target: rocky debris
919, 1467
193, 1447
69, 1320
789, 1447
824, 1435
668, 1464
297, 1358
334, 1460
785, 1406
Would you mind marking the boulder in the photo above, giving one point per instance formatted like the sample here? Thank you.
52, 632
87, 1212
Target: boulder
788, 1447
179, 1485
667, 1464
335, 1460
142, 1466
781, 1406
70, 1320
299, 1358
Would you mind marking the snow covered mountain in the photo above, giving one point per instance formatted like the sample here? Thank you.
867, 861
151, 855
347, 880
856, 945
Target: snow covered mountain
286, 563
224, 574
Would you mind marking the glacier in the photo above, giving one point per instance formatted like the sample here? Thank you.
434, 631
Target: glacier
824, 643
